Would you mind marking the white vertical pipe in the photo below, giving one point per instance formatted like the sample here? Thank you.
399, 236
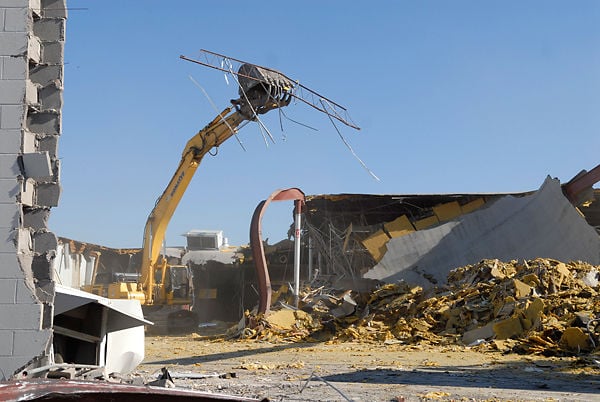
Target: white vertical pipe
297, 220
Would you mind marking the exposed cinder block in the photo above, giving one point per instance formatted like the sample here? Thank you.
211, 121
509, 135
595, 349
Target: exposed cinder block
47, 194
37, 165
9, 166
53, 52
41, 266
8, 291
21, 316
13, 68
25, 292
9, 189
12, 116
51, 97
50, 29
44, 291
46, 122
49, 143
54, 8
31, 93
10, 267
17, 19
44, 74
14, 43
26, 341
6, 342
44, 242
11, 141
12, 92
10, 215
35, 218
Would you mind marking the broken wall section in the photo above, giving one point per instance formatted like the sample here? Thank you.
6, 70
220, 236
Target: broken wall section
32, 35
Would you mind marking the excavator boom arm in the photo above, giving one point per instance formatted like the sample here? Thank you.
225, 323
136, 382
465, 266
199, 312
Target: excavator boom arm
214, 134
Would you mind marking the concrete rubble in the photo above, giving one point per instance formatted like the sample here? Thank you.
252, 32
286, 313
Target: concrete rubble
541, 306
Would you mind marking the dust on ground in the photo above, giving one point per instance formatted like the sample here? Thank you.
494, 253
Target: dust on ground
332, 371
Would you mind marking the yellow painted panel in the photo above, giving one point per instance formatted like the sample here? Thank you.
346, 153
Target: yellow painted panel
375, 244
472, 206
399, 226
426, 222
447, 211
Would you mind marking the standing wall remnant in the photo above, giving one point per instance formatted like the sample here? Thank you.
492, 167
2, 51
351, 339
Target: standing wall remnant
32, 37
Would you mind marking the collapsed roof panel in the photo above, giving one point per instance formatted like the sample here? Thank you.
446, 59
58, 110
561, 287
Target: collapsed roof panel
542, 224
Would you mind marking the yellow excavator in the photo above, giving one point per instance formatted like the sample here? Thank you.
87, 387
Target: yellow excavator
164, 289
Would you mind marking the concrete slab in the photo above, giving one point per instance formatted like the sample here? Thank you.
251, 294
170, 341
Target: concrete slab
543, 224
26, 341
21, 316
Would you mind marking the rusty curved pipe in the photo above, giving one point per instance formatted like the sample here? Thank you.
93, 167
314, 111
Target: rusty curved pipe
256, 243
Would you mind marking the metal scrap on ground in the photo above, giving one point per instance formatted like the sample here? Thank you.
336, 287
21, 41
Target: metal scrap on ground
540, 306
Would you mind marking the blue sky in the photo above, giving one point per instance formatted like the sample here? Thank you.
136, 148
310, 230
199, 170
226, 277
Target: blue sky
452, 97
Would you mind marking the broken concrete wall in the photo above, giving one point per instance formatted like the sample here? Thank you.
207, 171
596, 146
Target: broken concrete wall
32, 34
543, 224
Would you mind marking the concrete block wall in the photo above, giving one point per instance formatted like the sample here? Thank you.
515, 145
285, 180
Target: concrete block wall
32, 36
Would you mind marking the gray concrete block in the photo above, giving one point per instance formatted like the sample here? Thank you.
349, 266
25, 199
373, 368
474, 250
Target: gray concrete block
14, 68
9, 189
10, 215
44, 292
25, 292
21, 316
8, 291
9, 166
53, 52
49, 29
8, 238
35, 218
17, 20
10, 141
6, 342
12, 116
10, 266
44, 242
51, 97
47, 194
54, 8
25, 260
44, 74
27, 341
49, 143
13, 43
41, 266
12, 92
46, 122
37, 165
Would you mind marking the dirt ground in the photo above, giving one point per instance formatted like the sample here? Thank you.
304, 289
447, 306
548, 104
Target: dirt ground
368, 372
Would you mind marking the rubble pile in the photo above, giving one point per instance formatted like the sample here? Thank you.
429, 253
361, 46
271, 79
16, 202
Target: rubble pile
537, 306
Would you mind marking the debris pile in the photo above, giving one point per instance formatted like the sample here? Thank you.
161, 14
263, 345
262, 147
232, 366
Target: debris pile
538, 306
